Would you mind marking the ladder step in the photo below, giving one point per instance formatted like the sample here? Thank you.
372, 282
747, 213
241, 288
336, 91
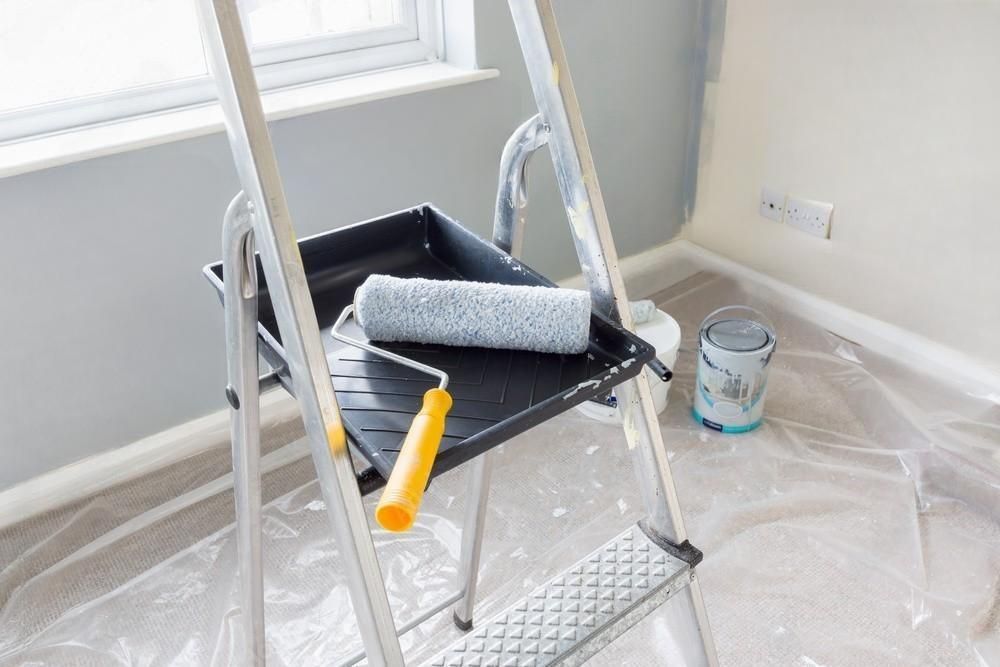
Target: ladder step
577, 612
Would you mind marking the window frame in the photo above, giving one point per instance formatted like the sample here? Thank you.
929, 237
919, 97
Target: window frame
416, 39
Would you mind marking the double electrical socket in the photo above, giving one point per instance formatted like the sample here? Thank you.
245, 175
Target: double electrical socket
806, 215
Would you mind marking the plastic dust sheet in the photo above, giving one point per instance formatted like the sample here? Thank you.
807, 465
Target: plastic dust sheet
859, 525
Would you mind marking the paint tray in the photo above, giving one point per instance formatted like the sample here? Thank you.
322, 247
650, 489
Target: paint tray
497, 393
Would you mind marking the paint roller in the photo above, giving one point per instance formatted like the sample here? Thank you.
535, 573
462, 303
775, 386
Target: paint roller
463, 314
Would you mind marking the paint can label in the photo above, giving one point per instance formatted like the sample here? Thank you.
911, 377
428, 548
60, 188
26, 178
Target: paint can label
735, 345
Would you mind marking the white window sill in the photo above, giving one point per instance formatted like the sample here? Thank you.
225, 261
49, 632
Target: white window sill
47, 151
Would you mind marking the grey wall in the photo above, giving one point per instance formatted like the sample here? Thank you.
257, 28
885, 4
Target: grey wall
111, 334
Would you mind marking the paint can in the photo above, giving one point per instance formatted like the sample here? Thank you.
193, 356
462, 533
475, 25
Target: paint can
735, 345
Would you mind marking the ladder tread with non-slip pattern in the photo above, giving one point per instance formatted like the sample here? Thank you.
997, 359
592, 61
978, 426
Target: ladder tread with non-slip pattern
573, 608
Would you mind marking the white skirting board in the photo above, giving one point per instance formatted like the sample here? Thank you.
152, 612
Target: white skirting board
96, 473
648, 272
645, 274
940, 361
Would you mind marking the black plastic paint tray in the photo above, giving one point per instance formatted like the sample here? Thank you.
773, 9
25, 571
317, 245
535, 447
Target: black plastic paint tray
497, 393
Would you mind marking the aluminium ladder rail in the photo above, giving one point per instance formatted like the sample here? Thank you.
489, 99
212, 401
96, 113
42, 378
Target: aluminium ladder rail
576, 613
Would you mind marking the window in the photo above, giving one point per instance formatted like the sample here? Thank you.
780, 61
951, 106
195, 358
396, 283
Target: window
70, 63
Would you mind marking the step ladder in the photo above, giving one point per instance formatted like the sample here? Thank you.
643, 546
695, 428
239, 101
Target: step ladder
576, 613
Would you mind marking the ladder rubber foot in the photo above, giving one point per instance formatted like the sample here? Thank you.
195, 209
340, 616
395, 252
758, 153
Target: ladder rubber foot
464, 626
578, 612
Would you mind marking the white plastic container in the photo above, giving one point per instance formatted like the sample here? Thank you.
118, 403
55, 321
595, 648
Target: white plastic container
664, 334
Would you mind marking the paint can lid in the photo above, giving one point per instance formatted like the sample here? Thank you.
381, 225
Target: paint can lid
738, 335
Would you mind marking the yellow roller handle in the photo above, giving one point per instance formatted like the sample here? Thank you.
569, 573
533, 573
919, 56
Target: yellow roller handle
397, 508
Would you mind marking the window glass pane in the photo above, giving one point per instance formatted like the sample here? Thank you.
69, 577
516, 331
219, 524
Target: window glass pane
283, 20
53, 50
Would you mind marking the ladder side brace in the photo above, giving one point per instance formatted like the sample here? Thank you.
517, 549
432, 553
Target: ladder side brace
548, 70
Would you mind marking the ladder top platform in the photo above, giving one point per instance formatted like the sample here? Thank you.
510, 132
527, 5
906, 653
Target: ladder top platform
497, 393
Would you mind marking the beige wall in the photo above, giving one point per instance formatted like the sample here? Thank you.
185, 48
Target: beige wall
890, 109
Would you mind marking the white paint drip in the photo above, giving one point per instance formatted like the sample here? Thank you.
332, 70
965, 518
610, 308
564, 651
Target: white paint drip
583, 385
576, 219
631, 431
